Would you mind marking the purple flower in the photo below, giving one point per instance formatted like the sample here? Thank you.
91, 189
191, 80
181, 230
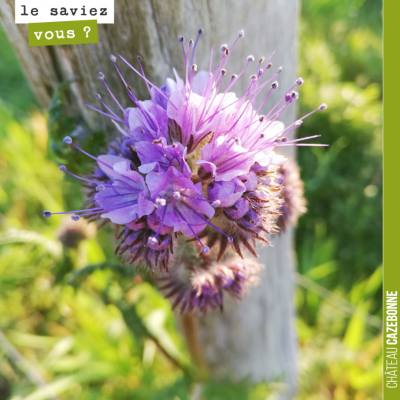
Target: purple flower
125, 197
148, 121
158, 154
203, 289
193, 160
181, 202
223, 159
226, 193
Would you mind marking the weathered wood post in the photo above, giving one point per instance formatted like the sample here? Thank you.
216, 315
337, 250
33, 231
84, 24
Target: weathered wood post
255, 338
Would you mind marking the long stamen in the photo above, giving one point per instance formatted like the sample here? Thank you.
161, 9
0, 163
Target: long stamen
283, 134
301, 139
276, 105
277, 114
210, 84
68, 140
233, 80
147, 85
64, 169
114, 61
322, 107
235, 163
96, 210
200, 32
230, 239
206, 249
264, 100
145, 79
142, 110
107, 115
209, 223
214, 76
304, 144
247, 128
209, 80
116, 195
193, 69
190, 45
283, 141
211, 58
100, 75
122, 205
270, 122
223, 73
261, 86
241, 115
273, 87
102, 186
131, 94
240, 35
181, 39
228, 160
70, 212
98, 97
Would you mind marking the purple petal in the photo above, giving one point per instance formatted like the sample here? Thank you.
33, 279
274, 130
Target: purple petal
227, 192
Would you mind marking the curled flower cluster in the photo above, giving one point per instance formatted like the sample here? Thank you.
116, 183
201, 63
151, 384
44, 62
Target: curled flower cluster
194, 160
205, 287
71, 233
293, 204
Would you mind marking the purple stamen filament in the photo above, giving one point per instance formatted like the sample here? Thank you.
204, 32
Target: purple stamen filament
183, 219
145, 79
102, 112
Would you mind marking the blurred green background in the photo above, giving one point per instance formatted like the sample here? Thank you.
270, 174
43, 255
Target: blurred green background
104, 335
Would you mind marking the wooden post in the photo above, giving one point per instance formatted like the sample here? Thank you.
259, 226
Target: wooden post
255, 338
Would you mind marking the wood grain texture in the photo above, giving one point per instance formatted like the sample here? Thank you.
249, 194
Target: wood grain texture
255, 338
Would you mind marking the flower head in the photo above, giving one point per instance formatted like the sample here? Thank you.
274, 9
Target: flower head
204, 288
194, 160
71, 233
185, 208
294, 203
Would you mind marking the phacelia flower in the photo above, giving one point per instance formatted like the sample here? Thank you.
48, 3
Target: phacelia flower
204, 288
194, 160
71, 233
294, 203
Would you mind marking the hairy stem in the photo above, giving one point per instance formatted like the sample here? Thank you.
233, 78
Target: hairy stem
191, 334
